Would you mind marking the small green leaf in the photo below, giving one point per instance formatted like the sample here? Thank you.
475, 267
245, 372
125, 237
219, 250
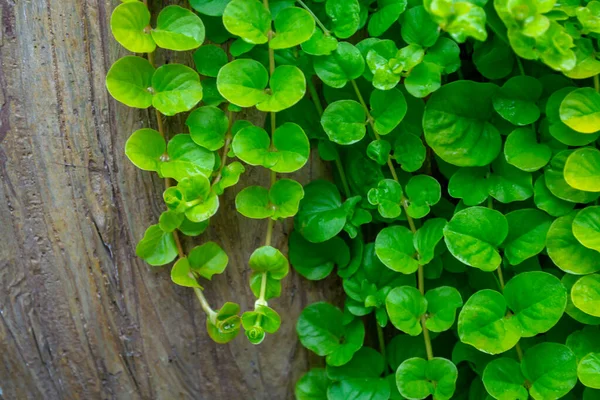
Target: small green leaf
405, 305
516, 100
504, 380
424, 79
568, 281
178, 29
243, 82
270, 261
320, 44
170, 220
157, 247
588, 370
442, 303
144, 148
555, 177
130, 25
248, 19
473, 236
419, 28
260, 321
208, 259
580, 110
538, 300
417, 378
186, 159
342, 65
546, 201
582, 169
483, 324
566, 251
210, 7
388, 108
470, 185
209, 59
458, 130
182, 275
177, 89
321, 329
508, 184
427, 238
387, 196
423, 191
288, 86
315, 261
226, 325
586, 227
586, 294
522, 150
280, 201
312, 385
344, 122
208, 126
129, 81
527, 230
388, 12
293, 26
345, 15
379, 151
230, 176
558, 129
551, 370
409, 152
394, 247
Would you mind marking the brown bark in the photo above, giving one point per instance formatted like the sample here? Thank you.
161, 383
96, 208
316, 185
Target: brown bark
81, 317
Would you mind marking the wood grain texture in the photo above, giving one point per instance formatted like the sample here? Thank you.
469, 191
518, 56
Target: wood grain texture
80, 316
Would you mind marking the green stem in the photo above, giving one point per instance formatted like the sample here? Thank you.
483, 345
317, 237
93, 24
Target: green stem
210, 313
317, 20
315, 96
411, 222
597, 83
381, 340
520, 64
228, 139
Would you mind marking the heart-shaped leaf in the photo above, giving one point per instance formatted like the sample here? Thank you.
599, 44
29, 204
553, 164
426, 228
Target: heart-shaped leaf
387, 197
586, 227
248, 19
405, 305
522, 150
156, 247
178, 28
293, 26
177, 89
186, 159
342, 65
546, 201
418, 28
586, 294
130, 25
344, 121
551, 370
280, 201
320, 44
208, 126
504, 380
270, 262
129, 81
442, 303
409, 152
527, 230
580, 110
423, 191
470, 185
417, 378
582, 169
394, 247
345, 15
516, 100
388, 109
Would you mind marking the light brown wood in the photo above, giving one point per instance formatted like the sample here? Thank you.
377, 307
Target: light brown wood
80, 316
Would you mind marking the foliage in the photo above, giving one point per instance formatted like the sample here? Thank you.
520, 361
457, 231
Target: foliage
463, 210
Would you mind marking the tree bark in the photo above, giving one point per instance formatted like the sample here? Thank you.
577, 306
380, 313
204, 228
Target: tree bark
81, 317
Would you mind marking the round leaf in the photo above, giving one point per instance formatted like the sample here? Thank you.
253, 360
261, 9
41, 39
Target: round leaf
557, 184
293, 26
418, 378
527, 230
388, 108
129, 81
524, 152
248, 19
177, 89
405, 305
504, 380
588, 370
288, 86
551, 370
344, 122
473, 236
209, 59
178, 29
130, 25
580, 110
208, 126
157, 247
582, 169
144, 148
586, 227
516, 100
586, 294
342, 65
442, 303
243, 82
394, 247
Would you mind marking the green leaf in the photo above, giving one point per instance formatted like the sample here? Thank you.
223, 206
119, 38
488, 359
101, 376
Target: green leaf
186, 159
405, 305
551, 370
418, 27
193, 196
473, 236
345, 15
320, 44
226, 325
270, 261
507, 183
582, 169
342, 65
379, 59
546, 201
395, 249
516, 100
527, 230
359, 388
129, 81
387, 196
538, 300
409, 152
423, 191
458, 130
344, 121
504, 380
210, 7
584, 342
260, 321
145, 148
388, 12
586, 294
288, 153
312, 385
243, 82
586, 227
366, 363
177, 89
170, 220
558, 129
379, 151
209, 59
483, 324
288, 86
207, 260
293, 26
588, 370
280, 201
580, 110
182, 275
248, 19
461, 19
494, 58
470, 185
130, 25
315, 261
442, 303
178, 29
230, 176
568, 281
427, 238
208, 126
557, 184
523, 151
157, 247
424, 79
418, 378
321, 329
566, 251
388, 109
190, 228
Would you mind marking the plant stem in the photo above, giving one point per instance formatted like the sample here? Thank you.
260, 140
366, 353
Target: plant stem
317, 20
210, 313
520, 64
519, 351
597, 83
411, 222
228, 139
381, 340
315, 96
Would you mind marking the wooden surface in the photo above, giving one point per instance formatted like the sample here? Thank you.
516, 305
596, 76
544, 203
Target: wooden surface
80, 316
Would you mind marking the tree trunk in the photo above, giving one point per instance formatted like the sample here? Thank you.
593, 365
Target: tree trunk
80, 315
